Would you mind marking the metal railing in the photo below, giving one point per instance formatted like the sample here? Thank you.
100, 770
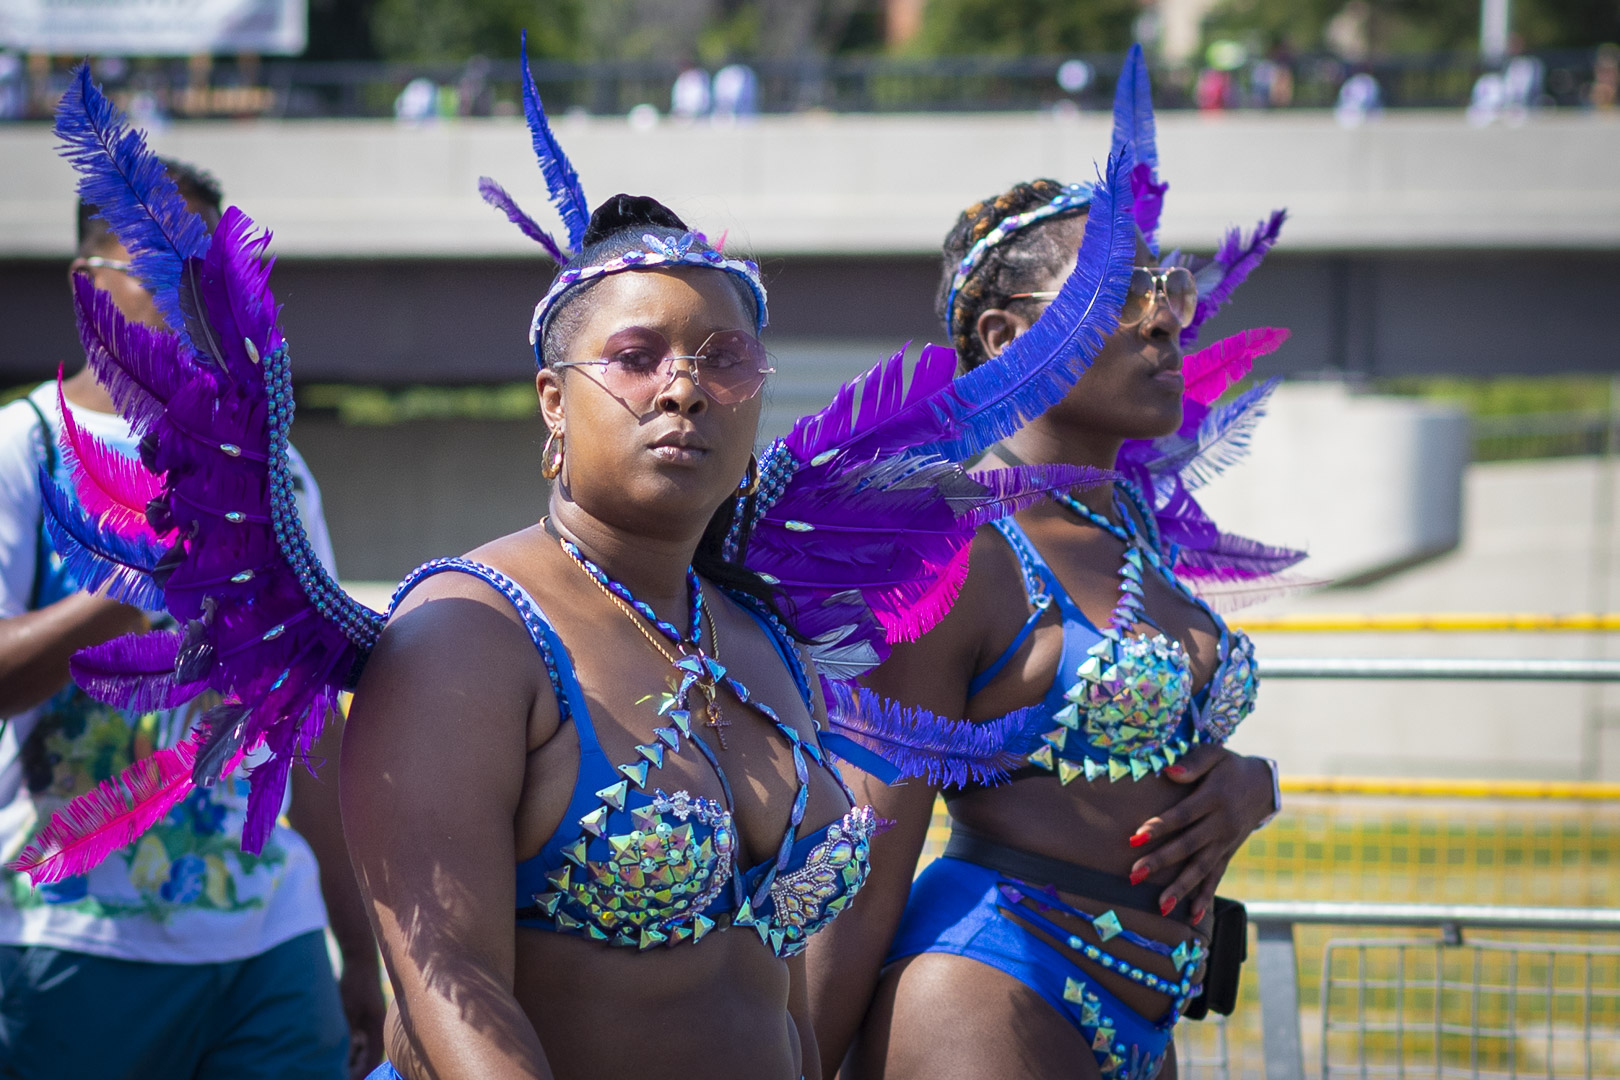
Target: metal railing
1470, 1025
1487, 670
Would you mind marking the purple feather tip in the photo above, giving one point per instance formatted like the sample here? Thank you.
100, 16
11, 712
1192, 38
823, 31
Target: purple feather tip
497, 197
923, 744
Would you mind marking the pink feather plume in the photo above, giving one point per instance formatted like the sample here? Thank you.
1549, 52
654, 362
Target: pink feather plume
1209, 371
112, 488
100, 822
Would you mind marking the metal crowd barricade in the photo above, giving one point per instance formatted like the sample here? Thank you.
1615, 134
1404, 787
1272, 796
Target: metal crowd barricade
1450, 1016
1472, 995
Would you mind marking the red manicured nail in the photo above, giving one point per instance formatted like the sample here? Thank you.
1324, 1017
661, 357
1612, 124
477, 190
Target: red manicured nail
1139, 875
1138, 839
1168, 906
1177, 770
1198, 916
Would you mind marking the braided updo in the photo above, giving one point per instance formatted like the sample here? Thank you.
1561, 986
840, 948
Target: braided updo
1023, 262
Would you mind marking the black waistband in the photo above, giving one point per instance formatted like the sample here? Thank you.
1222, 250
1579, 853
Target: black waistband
1067, 877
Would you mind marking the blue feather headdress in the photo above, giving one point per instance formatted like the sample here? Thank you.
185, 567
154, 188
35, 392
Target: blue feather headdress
1134, 126
562, 182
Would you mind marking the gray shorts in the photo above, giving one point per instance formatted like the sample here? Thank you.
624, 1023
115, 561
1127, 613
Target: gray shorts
68, 1014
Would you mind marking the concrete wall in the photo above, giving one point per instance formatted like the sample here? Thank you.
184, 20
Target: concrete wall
1366, 484
878, 184
1538, 536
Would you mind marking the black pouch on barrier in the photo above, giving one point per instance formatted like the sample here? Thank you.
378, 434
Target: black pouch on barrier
1228, 948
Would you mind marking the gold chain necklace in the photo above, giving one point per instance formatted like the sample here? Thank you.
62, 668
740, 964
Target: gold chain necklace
705, 682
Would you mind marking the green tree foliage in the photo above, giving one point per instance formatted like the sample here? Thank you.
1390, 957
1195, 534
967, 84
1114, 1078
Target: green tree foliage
1405, 27
1028, 27
448, 30
1567, 24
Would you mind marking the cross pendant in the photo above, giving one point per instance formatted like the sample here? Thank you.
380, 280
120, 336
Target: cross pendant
715, 721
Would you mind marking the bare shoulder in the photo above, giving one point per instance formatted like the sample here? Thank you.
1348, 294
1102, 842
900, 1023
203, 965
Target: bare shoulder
454, 654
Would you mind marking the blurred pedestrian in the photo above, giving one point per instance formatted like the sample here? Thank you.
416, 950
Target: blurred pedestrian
13, 87
474, 95
1605, 92
1360, 99
185, 957
418, 102
1524, 81
690, 97
736, 92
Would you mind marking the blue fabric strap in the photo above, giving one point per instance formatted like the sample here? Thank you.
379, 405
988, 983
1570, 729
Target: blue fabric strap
985, 677
867, 761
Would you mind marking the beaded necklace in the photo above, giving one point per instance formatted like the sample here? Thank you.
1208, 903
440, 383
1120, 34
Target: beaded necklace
699, 671
706, 674
1128, 610
1139, 549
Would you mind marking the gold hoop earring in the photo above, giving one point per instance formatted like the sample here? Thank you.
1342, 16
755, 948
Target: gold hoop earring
551, 464
750, 482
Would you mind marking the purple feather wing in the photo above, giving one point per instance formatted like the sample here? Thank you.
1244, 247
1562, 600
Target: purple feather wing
865, 522
264, 626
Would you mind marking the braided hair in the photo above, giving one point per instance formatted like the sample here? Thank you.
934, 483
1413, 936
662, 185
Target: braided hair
1021, 263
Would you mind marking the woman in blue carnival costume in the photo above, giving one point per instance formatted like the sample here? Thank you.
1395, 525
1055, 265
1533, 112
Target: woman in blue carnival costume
586, 784
1066, 929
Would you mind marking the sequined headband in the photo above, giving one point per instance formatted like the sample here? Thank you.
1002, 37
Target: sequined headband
689, 249
1072, 197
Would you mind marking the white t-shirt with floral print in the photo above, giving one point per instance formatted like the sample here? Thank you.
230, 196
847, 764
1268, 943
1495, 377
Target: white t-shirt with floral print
184, 892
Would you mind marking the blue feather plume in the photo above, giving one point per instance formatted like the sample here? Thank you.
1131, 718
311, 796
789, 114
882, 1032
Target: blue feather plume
95, 559
1133, 112
1220, 441
1134, 127
561, 179
1042, 365
919, 743
128, 184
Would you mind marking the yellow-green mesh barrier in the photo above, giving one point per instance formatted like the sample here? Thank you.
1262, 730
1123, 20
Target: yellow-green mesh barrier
1439, 849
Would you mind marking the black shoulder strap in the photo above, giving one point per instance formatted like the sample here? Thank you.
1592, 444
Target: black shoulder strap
42, 546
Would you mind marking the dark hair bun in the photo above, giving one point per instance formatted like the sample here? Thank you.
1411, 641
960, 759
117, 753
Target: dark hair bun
624, 212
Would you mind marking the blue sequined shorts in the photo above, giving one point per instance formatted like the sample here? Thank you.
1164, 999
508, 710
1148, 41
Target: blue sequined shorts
955, 908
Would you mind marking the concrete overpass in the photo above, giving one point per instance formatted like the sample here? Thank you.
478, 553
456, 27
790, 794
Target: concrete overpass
1416, 243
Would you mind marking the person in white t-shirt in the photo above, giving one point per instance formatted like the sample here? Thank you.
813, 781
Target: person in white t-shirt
179, 956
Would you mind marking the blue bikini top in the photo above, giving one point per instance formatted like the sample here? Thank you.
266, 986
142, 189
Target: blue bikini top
1123, 705
635, 866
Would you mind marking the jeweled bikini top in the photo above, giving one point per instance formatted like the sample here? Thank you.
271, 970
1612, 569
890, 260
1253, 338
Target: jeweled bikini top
1122, 702
634, 865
